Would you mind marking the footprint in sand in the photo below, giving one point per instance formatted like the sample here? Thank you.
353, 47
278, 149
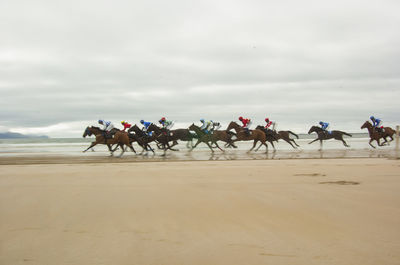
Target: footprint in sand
311, 175
341, 182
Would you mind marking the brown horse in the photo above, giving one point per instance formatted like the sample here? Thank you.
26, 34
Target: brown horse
376, 136
272, 135
204, 138
242, 135
120, 138
324, 135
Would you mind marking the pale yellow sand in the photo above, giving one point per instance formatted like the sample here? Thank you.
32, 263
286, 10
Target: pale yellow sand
222, 212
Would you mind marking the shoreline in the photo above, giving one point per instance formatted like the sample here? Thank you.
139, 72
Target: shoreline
237, 155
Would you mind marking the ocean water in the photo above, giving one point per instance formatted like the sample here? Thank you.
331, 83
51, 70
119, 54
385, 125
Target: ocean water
75, 146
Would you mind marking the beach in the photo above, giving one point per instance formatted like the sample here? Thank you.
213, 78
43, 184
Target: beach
283, 211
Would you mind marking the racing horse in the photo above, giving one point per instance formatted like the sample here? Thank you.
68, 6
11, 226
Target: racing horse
120, 138
142, 138
324, 135
374, 135
164, 136
255, 135
284, 135
204, 138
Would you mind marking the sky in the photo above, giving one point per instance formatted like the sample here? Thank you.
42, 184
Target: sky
66, 64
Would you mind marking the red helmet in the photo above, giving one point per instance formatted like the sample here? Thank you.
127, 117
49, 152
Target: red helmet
240, 118
163, 118
266, 119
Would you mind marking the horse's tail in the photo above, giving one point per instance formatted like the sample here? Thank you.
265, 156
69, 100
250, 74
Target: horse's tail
348, 134
290, 132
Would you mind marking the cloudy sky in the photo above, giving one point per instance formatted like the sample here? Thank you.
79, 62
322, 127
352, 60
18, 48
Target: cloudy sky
66, 64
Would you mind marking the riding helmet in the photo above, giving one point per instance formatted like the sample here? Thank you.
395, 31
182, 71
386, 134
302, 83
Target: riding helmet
141, 121
372, 117
266, 119
240, 118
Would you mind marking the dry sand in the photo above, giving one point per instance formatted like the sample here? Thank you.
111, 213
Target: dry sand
320, 211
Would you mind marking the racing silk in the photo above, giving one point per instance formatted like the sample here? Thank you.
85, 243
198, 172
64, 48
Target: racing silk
206, 125
324, 125
146, 124
107, 125
167, 124
215, 125
126, 126
269, 125
376, 122
246, 123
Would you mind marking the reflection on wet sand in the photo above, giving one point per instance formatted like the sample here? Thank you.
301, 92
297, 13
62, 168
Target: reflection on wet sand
199, 155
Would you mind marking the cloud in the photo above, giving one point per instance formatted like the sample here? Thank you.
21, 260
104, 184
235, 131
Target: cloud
69, 63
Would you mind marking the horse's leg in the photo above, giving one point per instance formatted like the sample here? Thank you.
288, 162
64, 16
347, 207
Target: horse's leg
193, 147
212, 150
91, 145
344, 143
289, 142
320, 145
219, 147
295, 143
254, 145
314, 141
370, 142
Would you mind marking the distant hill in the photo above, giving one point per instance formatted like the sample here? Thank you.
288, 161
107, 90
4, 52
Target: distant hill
11, 135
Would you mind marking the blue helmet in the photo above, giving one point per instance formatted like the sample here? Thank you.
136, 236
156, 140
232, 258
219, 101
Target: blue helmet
202, 120
372, 118
321, 122
141, 121
100, 121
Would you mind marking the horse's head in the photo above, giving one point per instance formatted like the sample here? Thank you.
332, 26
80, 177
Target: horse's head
232, 125
153, 128
366, 124
87, 132
193, 127
314, 129
260, 127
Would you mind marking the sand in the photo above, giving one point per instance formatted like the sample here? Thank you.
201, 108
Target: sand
314, 211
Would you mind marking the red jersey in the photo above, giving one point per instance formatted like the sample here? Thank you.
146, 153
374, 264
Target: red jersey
126, 126
245, 122
268, 124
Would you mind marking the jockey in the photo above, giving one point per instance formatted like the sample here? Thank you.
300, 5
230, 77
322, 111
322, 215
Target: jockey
126, 125
246, 124
146, 125
107, 127
215, 125
206, 126
269, 123
166, 124
376, 123
324, 126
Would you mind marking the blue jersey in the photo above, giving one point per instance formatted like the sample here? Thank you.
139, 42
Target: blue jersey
146, 124
324, 125
377, 122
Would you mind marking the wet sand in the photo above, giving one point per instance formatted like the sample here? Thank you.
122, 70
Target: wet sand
299, 211
197, 155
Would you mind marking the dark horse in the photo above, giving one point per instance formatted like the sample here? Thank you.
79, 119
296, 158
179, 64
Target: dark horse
272, 136
120, 138
141, 137
324, 135
164, 136
255, 135
376, 136
204, 138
